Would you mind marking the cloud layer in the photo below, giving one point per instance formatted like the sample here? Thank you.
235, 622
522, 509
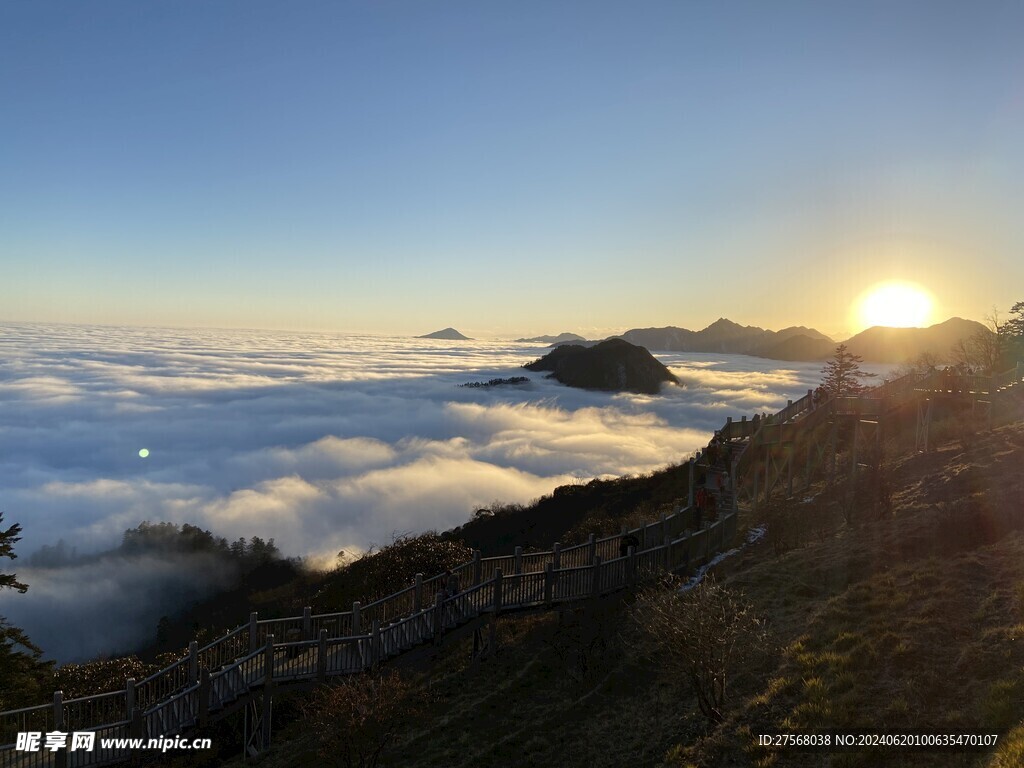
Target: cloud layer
322, 442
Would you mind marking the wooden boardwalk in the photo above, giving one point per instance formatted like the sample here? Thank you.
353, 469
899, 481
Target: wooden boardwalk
252, 660
764, 450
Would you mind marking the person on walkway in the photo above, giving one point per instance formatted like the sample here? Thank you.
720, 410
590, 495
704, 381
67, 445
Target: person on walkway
626, 542
712, 453
451, 584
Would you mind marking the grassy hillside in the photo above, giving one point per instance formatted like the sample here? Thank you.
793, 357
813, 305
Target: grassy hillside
910, 621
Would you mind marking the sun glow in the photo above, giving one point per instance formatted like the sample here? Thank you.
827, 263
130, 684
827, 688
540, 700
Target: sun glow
895, 304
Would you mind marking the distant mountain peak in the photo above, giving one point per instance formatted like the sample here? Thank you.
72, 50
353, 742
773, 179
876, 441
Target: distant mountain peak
722, 336
562, 337
449, 334
724, 322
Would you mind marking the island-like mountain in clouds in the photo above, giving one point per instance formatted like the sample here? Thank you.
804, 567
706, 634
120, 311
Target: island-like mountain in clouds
613, 365
450, 334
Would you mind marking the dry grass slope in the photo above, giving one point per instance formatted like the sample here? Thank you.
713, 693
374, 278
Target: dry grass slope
912, 621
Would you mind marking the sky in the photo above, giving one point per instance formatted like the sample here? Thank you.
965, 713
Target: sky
320, 441
506, 168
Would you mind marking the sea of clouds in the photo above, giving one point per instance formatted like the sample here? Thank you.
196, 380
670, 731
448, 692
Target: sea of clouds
322, 442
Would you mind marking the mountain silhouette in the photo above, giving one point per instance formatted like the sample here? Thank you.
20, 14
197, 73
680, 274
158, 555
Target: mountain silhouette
722, 336
449, 334
896, 345
560, 338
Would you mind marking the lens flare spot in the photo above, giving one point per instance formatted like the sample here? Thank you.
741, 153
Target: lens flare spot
144, 453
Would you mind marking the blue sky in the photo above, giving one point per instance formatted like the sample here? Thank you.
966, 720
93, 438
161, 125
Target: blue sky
506, 167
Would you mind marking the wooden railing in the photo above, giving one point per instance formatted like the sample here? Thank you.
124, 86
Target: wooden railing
314, 647
804, 414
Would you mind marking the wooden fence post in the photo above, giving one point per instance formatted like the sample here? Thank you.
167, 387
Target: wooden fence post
477, 568
754, 495
136, 728
417, 595
497, 590
254, 632
689, 495
60, 758
437, 621
193, 662
58, 710
321, 657
518, 561
592, 541
595, 578
556, 556
376, 650
734, 486
268, 661
791, 449
129, 696
807, 466
204, 697
268, 691
356, 623
549, 582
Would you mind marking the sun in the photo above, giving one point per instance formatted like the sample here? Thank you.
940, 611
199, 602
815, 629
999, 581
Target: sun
895, 304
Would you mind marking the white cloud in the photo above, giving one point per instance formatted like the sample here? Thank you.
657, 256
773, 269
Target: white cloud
321, 442
111, 605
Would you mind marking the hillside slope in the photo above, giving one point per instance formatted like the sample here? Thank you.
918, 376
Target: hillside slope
898, 345
914, 621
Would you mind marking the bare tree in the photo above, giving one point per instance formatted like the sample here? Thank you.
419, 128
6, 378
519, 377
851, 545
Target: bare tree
707, 635
986, 350
356, 720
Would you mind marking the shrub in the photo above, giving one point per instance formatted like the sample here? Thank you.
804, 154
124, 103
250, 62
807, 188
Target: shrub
392, 568
357, 720
706, 635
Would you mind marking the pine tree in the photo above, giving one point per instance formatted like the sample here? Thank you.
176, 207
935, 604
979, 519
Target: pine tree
1011, 334
842, 374
21, 671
